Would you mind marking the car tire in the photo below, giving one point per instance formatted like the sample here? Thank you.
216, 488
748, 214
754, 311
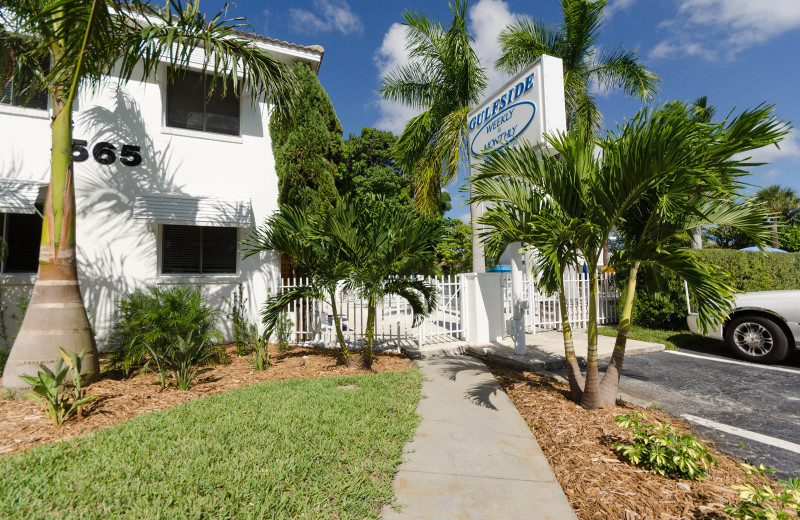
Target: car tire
758, 339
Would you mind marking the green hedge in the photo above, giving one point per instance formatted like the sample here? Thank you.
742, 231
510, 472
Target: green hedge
750, 271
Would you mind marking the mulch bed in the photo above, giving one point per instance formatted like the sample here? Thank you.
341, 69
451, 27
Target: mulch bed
598, 483
23, 424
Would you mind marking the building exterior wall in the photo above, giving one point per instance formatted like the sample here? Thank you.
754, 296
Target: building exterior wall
117, 253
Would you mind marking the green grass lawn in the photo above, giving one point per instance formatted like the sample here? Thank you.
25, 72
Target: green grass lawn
672, 340
300, 449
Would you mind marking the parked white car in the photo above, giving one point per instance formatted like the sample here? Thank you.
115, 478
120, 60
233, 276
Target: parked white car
763, 327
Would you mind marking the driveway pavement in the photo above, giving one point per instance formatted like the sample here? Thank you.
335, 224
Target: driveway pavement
750, 411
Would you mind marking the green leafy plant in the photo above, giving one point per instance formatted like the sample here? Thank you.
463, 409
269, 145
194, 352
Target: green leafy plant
240, 327
148, 321
662, 449
765, 503
283, 331
49, 387
261, 359
180, 359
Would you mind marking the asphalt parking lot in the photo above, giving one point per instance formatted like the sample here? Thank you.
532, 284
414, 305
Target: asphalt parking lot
750, 411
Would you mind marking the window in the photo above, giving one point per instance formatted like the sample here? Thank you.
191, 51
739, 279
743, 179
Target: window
198, 250
14, 94
191, 105
23, 234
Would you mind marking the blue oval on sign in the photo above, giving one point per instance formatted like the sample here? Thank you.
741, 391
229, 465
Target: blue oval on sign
503, 128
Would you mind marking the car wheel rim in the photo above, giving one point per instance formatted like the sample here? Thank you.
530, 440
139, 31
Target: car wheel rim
753, 339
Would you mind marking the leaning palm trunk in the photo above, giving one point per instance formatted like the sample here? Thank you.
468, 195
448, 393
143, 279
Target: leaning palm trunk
343, 352
610, 384
574, 375
478, 255
591, 399
56, 316
369, 335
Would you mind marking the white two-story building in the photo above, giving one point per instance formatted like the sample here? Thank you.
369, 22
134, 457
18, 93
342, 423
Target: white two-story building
168, 180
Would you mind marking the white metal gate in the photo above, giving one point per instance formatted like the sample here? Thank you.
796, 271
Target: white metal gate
314, 322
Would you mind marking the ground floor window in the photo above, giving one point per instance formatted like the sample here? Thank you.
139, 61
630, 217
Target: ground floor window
198, 249
22, 234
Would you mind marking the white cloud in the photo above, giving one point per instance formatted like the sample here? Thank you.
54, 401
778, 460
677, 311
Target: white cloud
772, 174
486, 19
719, 29
329, 15
466, 218
789, 149
617, 5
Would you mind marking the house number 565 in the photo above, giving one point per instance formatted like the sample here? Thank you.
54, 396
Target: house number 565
104, 153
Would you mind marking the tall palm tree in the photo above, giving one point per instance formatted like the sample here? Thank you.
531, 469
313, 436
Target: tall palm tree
779, 201
645, 188
445, 80
384, 249
293, 233
575, 42
84, 42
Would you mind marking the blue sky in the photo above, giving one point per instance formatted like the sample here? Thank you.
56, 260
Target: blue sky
739, 53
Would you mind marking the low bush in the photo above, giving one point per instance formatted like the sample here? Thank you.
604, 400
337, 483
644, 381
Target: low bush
180, 359
662, 449
153, 320
240, 326
766, 503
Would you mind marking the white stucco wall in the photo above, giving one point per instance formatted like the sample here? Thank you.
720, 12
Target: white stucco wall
116, 253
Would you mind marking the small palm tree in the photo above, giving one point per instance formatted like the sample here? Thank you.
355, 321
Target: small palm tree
67, 45
445, 80
647, 188
780, 202
384, 249
293, 233
575, 41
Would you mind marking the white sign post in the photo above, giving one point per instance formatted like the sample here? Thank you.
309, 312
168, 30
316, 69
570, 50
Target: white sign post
523, 110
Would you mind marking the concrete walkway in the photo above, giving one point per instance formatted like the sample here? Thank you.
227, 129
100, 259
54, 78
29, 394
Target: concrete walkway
473, 456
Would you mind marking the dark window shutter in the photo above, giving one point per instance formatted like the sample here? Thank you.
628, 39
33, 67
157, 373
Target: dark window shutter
219, 250
181, 249
23, 236
222, 113
185, 99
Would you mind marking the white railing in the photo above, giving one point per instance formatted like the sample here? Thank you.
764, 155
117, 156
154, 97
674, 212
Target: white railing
544, 311
314, 321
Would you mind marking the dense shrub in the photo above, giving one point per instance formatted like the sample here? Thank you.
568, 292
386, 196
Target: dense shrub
750, 271
153, 320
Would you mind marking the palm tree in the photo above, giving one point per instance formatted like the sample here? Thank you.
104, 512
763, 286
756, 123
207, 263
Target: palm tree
84, 42
575, 41
779, 202
384, 248
293, 233
444, 79
646, 188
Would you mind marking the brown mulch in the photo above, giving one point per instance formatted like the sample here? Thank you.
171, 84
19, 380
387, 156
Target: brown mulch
599, 484
24, 425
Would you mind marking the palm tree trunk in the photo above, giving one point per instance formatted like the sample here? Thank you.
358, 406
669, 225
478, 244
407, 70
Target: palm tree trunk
369, 335
574, 375
478, 255
56, 316
343, 352
609, 386
591, 391
775, 242
697, 237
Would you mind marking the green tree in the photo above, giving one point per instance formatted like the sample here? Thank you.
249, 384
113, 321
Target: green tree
780, 202
646, 189
307, 144
575, 42
85, 41
295, 233
445, 81
368, 169
384, 249
455, 250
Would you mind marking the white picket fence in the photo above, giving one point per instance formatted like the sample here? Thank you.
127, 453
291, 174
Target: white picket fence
314, 323
544, 311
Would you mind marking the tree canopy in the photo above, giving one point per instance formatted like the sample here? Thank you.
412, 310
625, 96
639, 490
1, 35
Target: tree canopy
307, 144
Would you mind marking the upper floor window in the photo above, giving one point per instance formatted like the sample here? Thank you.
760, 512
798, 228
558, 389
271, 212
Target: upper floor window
23, 234
192, 105
14, 93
